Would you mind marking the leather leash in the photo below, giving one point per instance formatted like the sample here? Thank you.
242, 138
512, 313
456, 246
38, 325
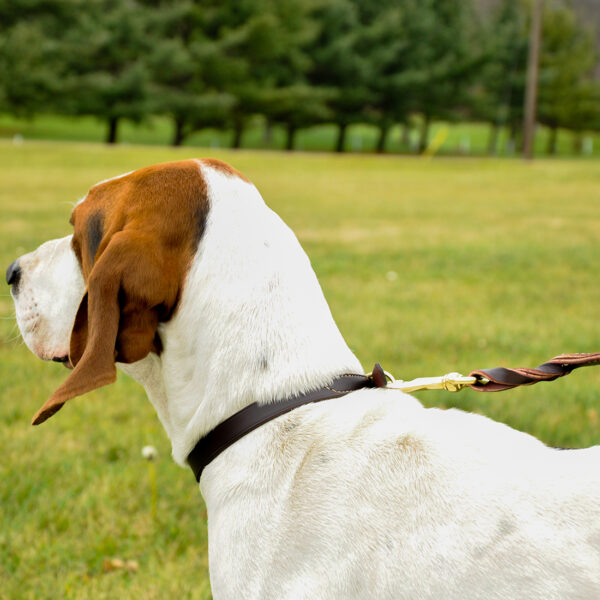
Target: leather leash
500, 378
482, 380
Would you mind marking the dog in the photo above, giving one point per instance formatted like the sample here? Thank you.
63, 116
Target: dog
180, 275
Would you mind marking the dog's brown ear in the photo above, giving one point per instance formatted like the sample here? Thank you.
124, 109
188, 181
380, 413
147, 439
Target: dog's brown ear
127, 292
135, 236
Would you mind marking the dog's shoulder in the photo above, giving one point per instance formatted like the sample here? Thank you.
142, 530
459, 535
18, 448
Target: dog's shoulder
385, 433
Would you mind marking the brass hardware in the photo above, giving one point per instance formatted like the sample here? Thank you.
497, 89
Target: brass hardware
452, 382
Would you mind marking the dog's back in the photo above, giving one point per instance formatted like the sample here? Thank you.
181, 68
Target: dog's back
373, 496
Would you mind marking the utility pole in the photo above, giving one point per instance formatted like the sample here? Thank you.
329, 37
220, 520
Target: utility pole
533, 67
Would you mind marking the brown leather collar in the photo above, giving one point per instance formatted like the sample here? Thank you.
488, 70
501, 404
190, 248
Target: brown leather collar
255, 415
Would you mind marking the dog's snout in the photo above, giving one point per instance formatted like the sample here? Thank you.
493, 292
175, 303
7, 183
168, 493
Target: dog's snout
13, 273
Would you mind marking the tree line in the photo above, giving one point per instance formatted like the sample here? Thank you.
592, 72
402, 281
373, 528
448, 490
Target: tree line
218, 63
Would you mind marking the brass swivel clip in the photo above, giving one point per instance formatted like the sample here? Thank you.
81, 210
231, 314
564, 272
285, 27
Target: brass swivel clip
451, 382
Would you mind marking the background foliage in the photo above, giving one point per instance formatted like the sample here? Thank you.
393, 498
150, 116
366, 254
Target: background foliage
299, 63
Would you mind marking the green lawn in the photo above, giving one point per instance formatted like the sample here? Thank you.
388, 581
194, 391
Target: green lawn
496, 263
455, 138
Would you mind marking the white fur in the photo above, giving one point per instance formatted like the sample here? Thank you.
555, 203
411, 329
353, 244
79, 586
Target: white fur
49, 293
365, 496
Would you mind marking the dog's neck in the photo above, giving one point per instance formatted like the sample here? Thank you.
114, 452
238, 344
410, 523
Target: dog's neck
252, 325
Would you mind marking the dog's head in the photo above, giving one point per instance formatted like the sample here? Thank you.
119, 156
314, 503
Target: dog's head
97, 296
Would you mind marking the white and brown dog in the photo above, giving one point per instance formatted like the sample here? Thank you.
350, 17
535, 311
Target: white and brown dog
181, 275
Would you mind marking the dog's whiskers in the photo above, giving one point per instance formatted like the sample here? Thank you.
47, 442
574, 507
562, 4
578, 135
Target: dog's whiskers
13, 339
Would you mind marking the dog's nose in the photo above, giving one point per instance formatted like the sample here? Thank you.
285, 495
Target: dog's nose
13, 273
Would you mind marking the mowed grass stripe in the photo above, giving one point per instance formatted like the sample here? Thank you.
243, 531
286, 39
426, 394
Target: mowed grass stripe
429, 266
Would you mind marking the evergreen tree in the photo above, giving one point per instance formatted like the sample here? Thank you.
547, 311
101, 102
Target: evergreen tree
499, 98
339, 65
177, 62
568, 95
444, 57
109, 76
291, 99
33, 66
385, 45
259, 59
382, 45
296, 106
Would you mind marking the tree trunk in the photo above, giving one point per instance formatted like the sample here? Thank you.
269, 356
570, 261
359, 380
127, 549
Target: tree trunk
237, 135
531, 89
383, 134
493, 141
424, 134
552, 140
577, 142
341, 137
178, 135
111, 132
519, 139
515, 137
405, 139
291, 134
511, 142
268, 134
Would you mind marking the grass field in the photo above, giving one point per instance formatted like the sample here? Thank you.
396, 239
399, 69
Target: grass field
456, 138
495, 263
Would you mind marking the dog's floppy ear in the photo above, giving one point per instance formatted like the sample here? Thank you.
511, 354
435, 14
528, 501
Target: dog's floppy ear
117, 318
135, 237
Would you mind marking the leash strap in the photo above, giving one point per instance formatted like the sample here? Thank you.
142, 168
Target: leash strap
500, 378
255, 415
482, 380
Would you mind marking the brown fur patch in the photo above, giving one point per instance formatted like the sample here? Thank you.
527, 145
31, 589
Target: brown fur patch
135, 236
222, 167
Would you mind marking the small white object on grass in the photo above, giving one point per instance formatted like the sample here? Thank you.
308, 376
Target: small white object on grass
149, 452
391, 275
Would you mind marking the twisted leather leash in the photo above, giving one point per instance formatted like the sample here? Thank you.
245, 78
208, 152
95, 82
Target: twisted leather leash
500, 379
483, 380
